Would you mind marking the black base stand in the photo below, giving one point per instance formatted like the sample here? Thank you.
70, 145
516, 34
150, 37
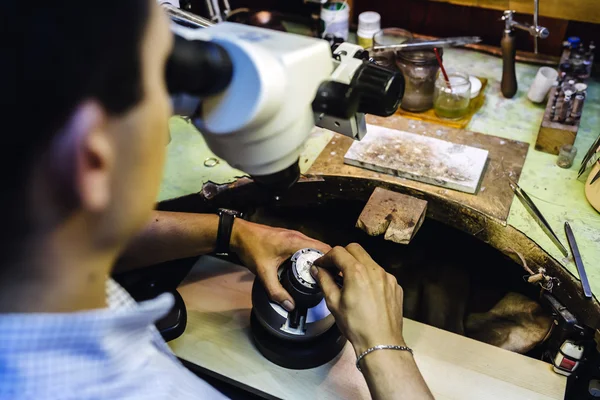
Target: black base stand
172, 325
297, 355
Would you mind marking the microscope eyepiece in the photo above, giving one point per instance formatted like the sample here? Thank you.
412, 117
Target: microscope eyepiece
198, 68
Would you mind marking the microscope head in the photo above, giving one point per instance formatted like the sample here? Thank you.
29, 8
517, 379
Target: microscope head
259, 120
255, 94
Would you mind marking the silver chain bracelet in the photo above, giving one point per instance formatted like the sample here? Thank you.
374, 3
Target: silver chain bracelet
381, 347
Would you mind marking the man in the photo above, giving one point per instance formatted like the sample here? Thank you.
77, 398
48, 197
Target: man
81, 177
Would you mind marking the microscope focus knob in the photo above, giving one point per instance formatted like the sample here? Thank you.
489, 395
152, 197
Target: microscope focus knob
380, 89
336, 99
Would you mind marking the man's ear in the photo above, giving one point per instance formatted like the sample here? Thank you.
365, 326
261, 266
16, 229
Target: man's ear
82, 159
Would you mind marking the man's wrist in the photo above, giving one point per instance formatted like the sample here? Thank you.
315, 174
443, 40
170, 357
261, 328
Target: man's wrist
362, 346
385, 358
237, 234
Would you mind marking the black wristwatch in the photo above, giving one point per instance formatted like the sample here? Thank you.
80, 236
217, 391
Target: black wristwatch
226, 219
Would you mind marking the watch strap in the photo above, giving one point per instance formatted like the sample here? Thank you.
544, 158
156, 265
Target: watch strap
226, 220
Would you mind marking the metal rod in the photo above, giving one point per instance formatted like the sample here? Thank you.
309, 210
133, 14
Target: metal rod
536, 6
428, 44
227, 7
179, 15
534, 30
217, 11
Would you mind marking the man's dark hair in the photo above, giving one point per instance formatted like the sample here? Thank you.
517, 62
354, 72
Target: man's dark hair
56, 54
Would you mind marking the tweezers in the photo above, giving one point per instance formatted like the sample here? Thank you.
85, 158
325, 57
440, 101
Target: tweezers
587, 291
536, 214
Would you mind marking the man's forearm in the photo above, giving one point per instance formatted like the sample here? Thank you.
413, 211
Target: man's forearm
393, 374
169, 236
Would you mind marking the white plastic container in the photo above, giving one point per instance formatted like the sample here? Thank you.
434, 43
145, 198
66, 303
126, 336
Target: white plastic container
475, 86
542, 83
369, 23
336, 15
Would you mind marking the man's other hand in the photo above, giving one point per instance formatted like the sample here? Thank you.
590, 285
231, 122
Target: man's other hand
368, 309
263, 249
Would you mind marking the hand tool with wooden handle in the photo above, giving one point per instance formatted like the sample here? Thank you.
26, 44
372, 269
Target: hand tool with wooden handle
508, 85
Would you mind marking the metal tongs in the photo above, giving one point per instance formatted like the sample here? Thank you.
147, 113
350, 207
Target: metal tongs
417, 44
536, 214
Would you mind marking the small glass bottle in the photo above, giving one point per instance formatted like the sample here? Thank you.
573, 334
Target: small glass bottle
566, 155
452, 100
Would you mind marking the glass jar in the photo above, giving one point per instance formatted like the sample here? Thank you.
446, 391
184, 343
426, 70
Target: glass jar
384, 57
419, 68
452, 101
389, 36
566, 155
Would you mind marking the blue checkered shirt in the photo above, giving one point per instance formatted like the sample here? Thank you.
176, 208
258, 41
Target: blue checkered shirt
112, 353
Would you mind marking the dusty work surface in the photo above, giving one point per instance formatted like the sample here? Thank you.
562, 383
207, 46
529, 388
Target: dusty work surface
557, 192
217, 338
419, 157
494, 197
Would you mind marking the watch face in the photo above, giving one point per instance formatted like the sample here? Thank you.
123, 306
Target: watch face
230, 212
302, 260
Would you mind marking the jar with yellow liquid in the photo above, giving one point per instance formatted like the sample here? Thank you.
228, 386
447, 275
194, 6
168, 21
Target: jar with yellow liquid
451, 100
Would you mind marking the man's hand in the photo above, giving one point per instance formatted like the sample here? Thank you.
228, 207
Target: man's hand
368, 309
263, 249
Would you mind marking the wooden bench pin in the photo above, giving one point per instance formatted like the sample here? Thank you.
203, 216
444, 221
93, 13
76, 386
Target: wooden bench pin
397, 215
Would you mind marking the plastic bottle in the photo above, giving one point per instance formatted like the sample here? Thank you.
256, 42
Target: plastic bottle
369, 23
335, 16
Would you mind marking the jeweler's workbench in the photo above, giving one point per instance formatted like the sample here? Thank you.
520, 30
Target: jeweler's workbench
217, 339
557, 192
